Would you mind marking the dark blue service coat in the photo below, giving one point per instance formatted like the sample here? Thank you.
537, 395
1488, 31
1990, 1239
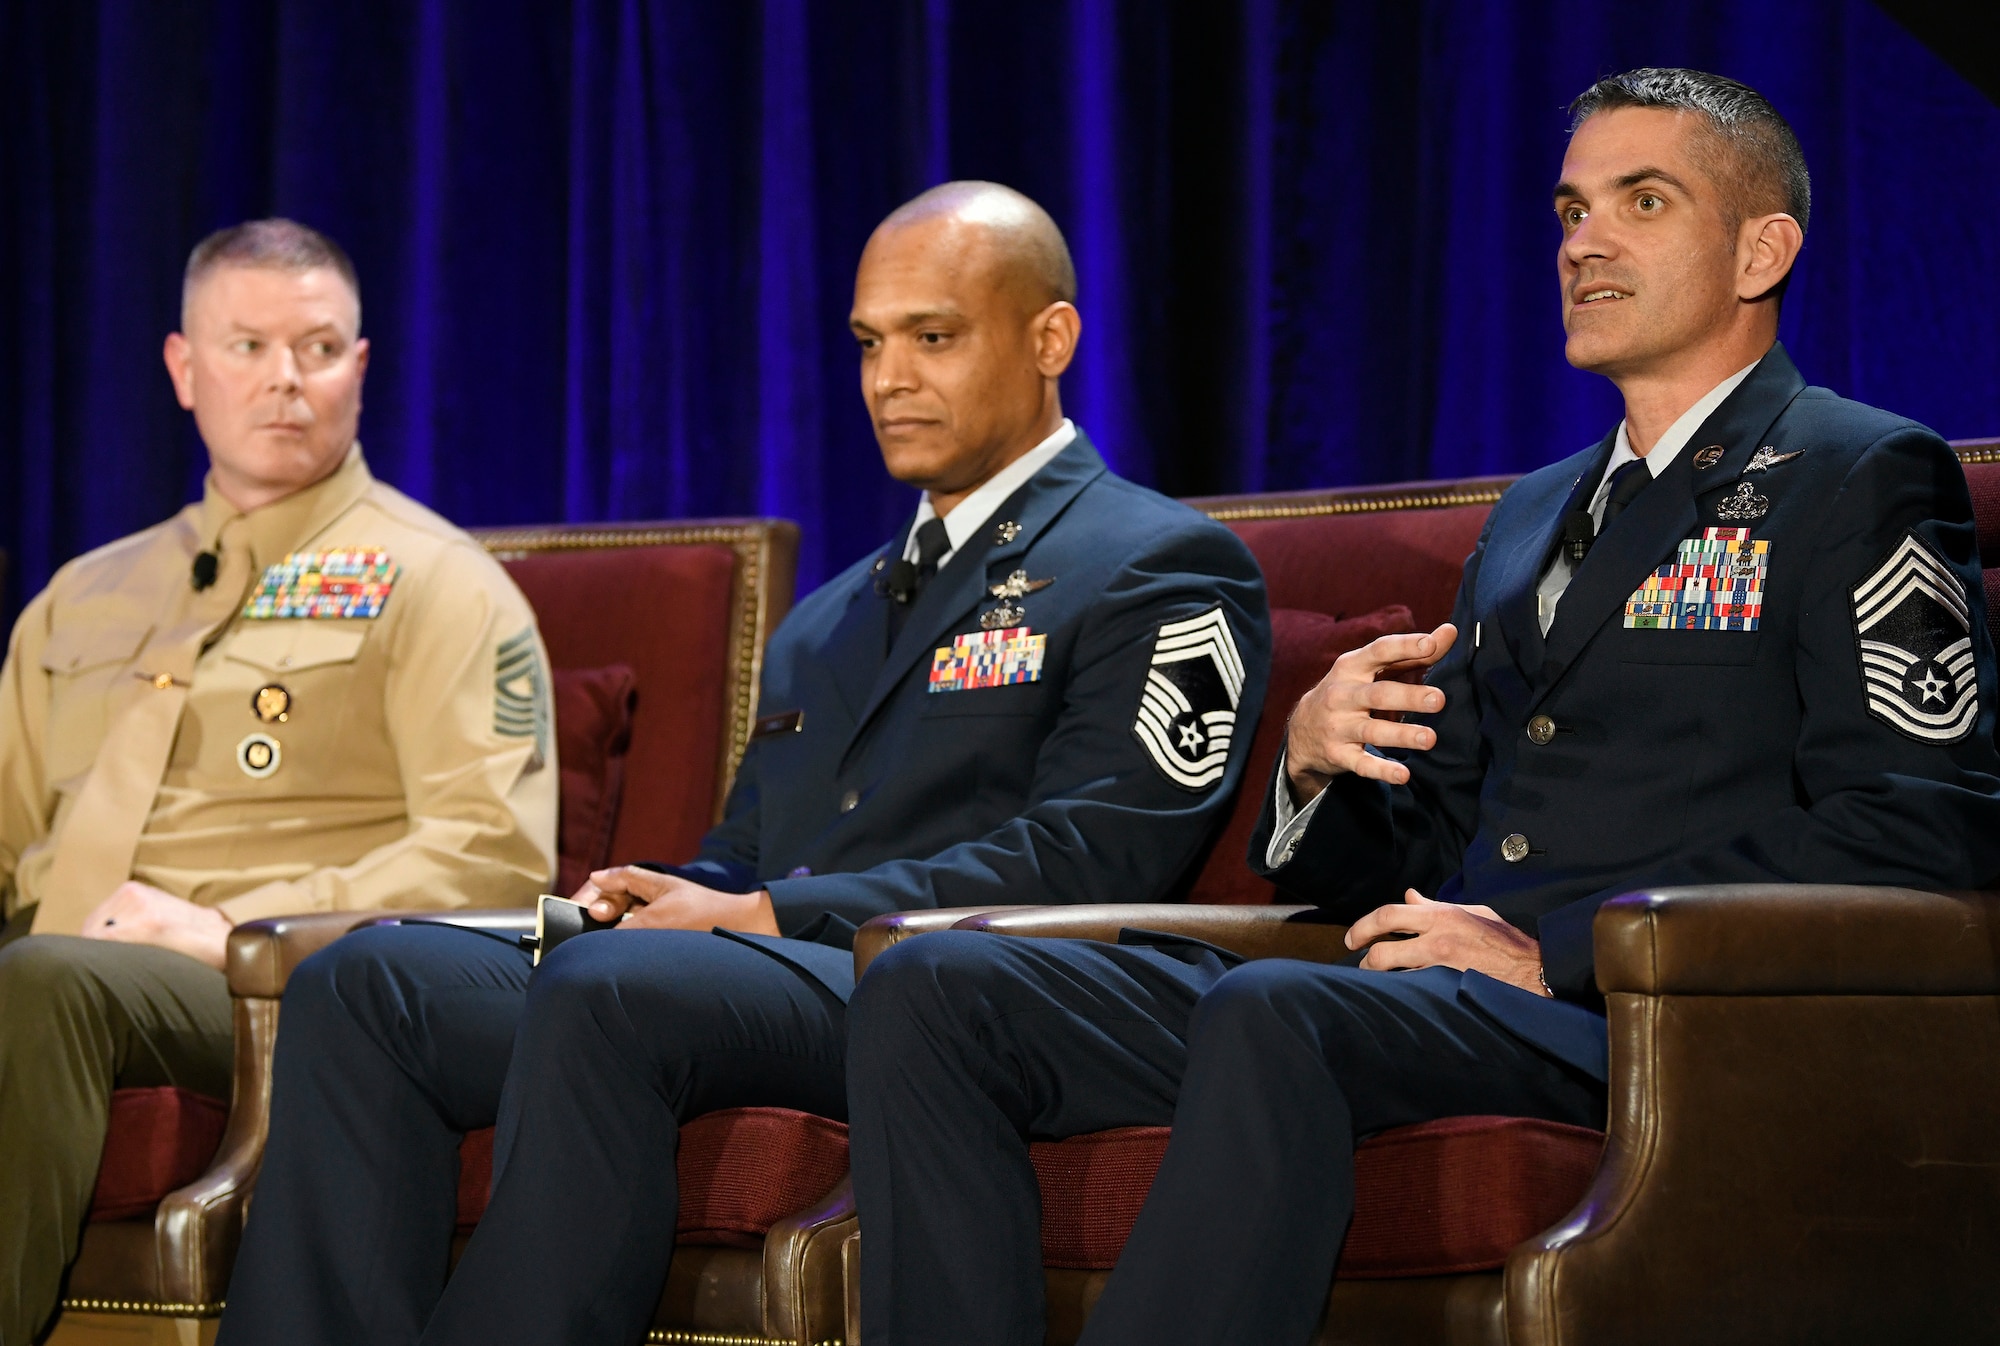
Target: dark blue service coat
1695, 756
889, 796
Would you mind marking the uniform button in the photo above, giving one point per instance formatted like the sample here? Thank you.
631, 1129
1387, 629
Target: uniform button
1514, 849
849, 800
163, 680
1541, 729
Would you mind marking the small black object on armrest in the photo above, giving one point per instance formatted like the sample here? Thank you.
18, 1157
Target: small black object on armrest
558, 919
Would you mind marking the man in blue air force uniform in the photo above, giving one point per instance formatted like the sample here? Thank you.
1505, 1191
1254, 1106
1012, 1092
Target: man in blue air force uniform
1741, 639
1029, 696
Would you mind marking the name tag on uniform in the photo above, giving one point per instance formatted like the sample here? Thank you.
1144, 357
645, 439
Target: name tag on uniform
988, 659
1714, 583
784, 722
349, 582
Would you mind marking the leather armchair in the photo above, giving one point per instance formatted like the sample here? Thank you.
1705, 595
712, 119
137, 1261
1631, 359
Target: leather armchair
1803, 1142
1804, 1138
162, 1278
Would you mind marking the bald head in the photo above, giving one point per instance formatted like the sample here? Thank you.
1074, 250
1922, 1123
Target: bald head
963, 315
1015, 235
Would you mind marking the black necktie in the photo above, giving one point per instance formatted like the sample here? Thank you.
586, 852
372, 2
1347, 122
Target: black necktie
906, 581
1626, 483
1579, 531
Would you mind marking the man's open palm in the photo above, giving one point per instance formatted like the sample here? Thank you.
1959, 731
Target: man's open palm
1353, 709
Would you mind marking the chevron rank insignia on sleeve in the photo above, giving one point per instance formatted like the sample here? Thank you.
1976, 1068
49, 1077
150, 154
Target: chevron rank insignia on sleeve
1187, 712
1913, 630
521, 694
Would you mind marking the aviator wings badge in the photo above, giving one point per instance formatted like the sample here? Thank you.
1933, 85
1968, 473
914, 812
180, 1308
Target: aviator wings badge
1009, 591
1767, 458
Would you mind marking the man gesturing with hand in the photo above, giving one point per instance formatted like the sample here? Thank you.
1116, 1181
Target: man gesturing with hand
1356, 708
1740, 639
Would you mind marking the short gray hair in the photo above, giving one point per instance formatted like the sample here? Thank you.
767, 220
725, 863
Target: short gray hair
278, 244
1752, 154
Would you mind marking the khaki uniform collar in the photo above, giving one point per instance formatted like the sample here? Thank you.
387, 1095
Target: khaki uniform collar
274, 531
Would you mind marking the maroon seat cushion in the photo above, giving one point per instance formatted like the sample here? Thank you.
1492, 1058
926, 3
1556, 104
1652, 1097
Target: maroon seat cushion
662, 611
594, 708
1438, 1199
1303, 647
741, 1171
159, 1139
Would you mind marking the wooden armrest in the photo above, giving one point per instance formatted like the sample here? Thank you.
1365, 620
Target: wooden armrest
263, 953
1252, 931
882, 931
1798, 939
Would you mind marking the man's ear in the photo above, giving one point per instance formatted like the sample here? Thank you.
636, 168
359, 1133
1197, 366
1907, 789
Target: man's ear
179, 355
1056, 329
1765, 251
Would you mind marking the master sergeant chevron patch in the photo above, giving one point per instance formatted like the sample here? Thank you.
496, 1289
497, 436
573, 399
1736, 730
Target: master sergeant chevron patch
1913, 632
1187, 711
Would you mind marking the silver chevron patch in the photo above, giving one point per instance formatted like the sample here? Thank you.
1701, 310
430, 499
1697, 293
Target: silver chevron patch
1187, 709
1913, 633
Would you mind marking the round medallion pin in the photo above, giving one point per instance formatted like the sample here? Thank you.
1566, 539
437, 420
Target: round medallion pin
259, 755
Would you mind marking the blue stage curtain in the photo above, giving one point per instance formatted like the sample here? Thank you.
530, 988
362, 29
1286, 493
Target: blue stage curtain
608, 245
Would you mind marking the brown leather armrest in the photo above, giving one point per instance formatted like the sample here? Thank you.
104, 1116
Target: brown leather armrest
805, 1282
1252, 931
263, 953
1798, 939
882, 931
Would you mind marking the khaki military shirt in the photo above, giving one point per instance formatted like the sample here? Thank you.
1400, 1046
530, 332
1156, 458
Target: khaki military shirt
217, 745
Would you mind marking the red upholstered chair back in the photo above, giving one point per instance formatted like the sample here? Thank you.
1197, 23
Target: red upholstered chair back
1341, 567
1347, 552
1982, 473
687, 607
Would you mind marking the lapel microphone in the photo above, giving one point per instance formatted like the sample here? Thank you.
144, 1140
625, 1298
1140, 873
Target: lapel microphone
901, 581
205, 563
1579, 531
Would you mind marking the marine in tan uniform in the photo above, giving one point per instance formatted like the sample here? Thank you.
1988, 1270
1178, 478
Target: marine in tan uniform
305, 693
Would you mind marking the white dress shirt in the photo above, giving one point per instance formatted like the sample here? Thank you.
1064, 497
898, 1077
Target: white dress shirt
1669, 447
1292, 820
971, 513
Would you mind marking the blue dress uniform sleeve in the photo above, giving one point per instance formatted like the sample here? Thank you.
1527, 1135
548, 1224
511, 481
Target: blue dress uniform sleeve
1370, 840
1876, 804
1102, 821
727, 861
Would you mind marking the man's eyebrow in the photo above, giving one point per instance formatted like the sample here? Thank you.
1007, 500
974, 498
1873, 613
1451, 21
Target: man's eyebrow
1639, 175
1632, 179
238, 325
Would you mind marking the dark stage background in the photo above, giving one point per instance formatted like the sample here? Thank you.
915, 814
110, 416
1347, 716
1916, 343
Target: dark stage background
607, 246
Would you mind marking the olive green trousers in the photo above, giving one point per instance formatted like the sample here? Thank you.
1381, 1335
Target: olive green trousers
79, 1018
